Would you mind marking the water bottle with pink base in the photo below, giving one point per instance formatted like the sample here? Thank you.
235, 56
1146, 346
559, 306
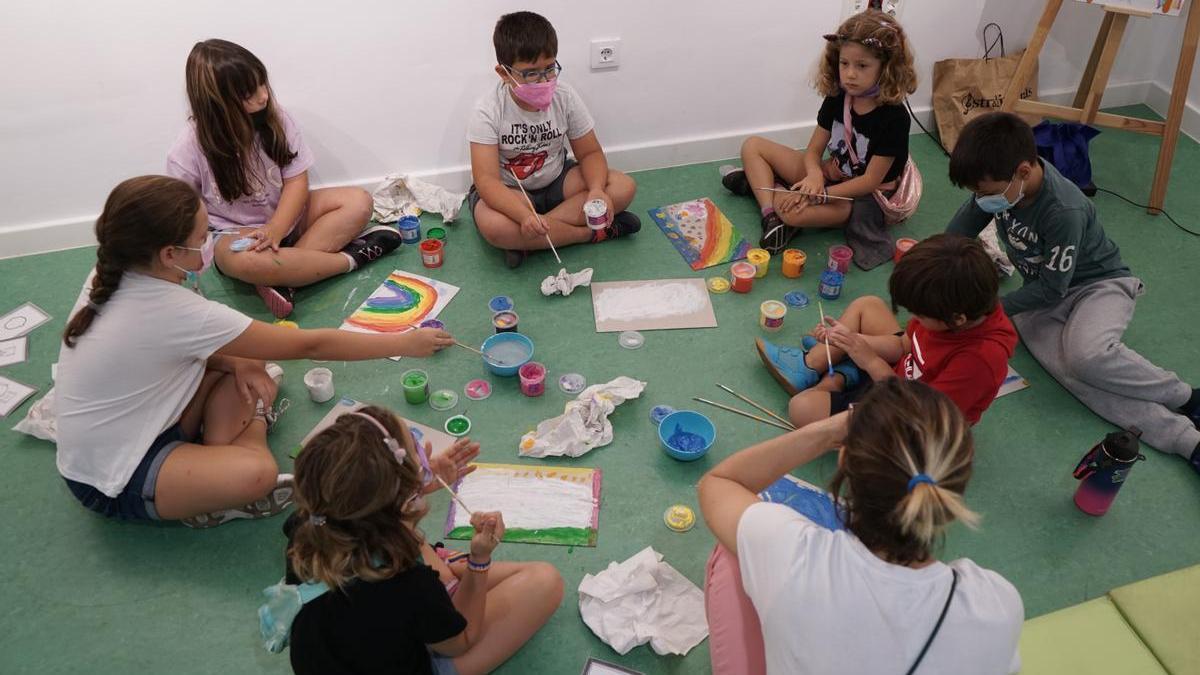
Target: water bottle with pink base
1103, 470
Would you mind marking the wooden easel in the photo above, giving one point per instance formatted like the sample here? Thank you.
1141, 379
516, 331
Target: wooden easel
1086, 107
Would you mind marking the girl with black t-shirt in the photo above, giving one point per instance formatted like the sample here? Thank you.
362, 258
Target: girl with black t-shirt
870, 61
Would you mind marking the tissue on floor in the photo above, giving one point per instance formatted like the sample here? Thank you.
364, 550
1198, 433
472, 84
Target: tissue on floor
565, 282
399, 195
644, 600
584, 423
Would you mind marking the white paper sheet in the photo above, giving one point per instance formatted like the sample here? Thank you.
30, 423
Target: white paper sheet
14, 351
21, 321
12, 395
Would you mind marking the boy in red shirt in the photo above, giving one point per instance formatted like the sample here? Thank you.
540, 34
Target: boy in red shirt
958, 340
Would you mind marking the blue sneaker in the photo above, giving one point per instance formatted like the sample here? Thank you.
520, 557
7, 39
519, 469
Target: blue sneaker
786, 365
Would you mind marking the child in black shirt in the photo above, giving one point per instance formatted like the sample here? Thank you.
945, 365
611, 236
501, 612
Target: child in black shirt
394, 604
870, 61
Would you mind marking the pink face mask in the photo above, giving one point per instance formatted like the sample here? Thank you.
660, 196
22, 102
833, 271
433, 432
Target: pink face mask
536, 94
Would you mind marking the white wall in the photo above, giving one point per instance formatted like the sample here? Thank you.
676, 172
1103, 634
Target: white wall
93, 92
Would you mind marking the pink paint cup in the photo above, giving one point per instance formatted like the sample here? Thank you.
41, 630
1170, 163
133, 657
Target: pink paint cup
533, 378
840, 256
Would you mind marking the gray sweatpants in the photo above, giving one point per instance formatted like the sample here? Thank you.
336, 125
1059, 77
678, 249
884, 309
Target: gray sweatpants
1078, 341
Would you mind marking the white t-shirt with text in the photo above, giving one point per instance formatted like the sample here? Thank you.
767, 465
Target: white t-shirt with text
131, 374
828, 605
531, 143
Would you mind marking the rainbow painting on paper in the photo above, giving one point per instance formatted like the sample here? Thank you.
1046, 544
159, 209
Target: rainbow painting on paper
701, 233
540, 504
401, 302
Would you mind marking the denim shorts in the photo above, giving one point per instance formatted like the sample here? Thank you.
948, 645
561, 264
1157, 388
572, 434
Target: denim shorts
441, 665
544, 199
136, 501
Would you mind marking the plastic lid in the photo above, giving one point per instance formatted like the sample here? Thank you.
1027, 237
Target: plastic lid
797, 299
680, 518
443, 399
718, 285
477, 390
631, 339
500, 303
572, 383
659, 413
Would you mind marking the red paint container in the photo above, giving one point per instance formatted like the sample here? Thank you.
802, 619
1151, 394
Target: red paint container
741, 276
431, 253
902, 246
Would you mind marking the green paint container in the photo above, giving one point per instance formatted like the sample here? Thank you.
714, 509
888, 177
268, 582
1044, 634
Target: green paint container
438, 233
458, 425
416, 386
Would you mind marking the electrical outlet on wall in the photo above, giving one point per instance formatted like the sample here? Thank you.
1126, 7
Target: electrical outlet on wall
892, 7
606, 53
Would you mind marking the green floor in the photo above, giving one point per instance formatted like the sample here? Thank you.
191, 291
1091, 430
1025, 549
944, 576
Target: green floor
83, 594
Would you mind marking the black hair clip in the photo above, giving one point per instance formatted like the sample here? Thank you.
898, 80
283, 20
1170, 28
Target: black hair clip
833, 37
873, 42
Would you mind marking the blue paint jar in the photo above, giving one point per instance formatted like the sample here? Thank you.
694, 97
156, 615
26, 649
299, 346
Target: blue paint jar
410, 229
500, 303
831, 284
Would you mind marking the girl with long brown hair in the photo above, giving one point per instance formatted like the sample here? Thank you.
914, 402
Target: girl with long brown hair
163, 397
788, 595
387, 601
865, 73
246, 157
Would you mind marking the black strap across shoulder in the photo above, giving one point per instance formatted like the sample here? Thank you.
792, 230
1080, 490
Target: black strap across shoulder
938, 626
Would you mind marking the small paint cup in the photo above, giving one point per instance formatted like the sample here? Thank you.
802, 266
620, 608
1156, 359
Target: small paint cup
533, 379
742, 277
438, 233
477, 390
771, 315
410, 230
505, 322
596, 212
500, 303
718, 285
830, 287
319, 382
458, 426
416, 386
761, 259
433, 323
443, 399
902, 246
793, 263
840, 256
431, 253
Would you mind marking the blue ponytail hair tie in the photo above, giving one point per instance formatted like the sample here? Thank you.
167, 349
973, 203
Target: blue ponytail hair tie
918, 479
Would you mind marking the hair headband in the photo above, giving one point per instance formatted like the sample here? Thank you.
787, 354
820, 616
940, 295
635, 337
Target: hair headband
391, 443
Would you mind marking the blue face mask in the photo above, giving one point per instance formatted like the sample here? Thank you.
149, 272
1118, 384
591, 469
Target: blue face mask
994, 204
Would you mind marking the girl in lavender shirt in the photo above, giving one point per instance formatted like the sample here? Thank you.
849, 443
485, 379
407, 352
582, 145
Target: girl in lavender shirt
246, 158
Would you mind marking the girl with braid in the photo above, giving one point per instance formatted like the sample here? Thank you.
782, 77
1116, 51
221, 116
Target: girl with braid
787, 595
163, 396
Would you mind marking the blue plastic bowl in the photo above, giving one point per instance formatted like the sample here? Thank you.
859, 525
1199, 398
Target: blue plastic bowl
691, 422
507, 370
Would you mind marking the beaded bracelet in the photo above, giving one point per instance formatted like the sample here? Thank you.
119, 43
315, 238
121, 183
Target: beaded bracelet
478, 567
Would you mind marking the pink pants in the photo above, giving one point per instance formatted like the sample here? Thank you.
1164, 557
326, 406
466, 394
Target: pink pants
735, 641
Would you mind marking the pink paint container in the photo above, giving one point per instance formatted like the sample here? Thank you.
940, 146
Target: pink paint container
533, 378
840, 256
596, 212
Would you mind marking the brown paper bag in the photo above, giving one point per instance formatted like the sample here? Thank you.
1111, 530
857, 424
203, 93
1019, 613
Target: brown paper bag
967, 88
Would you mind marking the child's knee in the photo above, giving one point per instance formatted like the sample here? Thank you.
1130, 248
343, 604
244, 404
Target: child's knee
547, 578
621, 187
806, 407
1083, 360
493, 226
752, 145
361, 204
869, 303
256, 476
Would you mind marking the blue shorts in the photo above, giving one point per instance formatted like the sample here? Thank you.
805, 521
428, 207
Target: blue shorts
441, 665
136, 501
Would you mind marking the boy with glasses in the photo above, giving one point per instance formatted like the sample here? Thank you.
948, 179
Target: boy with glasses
520, 131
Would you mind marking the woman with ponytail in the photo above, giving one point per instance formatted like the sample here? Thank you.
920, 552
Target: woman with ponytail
786, 595
163, 396
378, 597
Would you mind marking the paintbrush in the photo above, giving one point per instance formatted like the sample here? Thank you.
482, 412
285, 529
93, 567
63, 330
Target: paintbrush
827, 196
762, 408
743, 413
828, 358
535, 213
491, 359
459, 500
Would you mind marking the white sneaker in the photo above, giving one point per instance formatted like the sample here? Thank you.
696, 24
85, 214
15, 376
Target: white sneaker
270, 505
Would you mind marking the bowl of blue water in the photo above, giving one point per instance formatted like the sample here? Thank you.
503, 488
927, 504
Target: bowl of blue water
686, 435
505, 353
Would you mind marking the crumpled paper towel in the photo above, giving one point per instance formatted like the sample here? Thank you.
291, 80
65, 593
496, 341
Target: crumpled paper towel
584, 423
990, 239
644, 600
566, 282
399, 195
41, 420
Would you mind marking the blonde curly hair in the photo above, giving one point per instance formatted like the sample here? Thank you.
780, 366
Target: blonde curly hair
884, 37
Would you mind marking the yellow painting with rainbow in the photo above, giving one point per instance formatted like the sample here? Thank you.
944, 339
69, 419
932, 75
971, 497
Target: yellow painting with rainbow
701, 233
400, 303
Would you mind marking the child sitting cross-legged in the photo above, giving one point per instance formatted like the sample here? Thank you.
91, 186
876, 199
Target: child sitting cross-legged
391, 602
519, 133
958, 340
